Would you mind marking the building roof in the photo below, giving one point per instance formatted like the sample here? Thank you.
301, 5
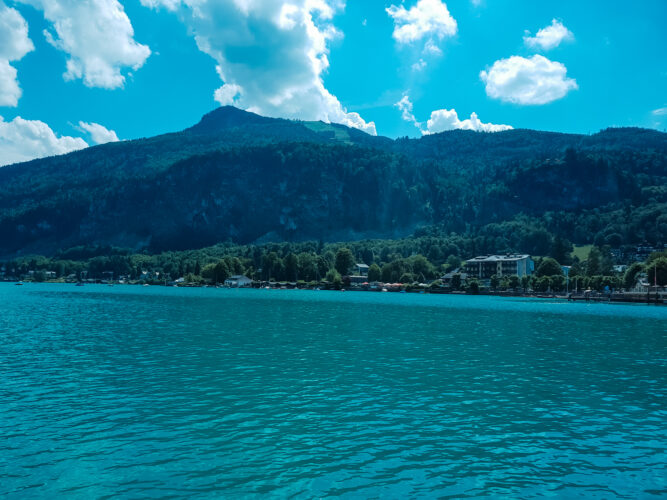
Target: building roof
500, 258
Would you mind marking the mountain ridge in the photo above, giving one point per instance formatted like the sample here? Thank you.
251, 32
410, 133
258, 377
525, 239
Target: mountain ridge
243, 177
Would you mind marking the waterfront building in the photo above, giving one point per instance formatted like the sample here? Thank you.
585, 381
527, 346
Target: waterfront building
361, 269
485, 266
238, 281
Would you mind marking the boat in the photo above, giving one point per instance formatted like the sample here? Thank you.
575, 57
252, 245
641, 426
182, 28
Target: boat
79, 283
19, 283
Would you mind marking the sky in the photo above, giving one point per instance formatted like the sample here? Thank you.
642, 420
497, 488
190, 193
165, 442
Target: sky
76, 73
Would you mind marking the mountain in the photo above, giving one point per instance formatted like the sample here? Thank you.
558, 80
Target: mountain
246, 178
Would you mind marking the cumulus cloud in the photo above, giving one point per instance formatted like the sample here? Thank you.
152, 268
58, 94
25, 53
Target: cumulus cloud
14, 44
445, 119
98, 37
550, 37
532, 81
99, 133
23, 140
270, 54
659, 112
427, 19
448, 119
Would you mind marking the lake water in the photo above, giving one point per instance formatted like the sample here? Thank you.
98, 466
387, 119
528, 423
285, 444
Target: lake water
153, 392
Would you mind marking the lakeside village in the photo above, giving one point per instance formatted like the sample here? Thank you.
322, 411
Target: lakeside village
502, 274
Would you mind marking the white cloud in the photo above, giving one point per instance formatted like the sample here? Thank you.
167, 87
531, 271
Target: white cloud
98, 37
427, 19
419, 65
659, 112
445, 119
23, 140
270, 54
432, 49
550, 37
448, 119
406, 109
14, 44
536, 80
10, 92
99, 133
168, 4
227, 94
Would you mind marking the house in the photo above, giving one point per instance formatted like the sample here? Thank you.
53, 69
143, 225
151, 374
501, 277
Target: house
238, 281
447, 278
485, 266
361, 269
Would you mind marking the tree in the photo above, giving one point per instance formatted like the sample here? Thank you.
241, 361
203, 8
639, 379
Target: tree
291, 267
543, 283
407, 278
561, 249
630, 277
344, 260
456, 281
525, 282
658, 265
558, 282
332, 275
549, 267
422, 268
514, 282
453, 262
374, 273
473, 286
495, 281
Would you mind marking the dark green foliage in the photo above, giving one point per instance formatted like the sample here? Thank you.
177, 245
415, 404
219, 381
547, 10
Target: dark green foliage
243, 178
549, 267
630, 277
344, 261
374, 272
473, 286
657, 267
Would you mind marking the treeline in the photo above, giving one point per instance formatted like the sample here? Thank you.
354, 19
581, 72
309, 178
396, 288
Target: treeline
422, 259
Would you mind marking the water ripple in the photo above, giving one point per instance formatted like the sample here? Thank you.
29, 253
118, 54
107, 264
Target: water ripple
132, 392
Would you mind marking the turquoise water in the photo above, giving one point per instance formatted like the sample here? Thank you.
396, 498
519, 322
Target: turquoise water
152, 392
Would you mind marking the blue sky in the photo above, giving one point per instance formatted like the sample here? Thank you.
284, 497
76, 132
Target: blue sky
77, 73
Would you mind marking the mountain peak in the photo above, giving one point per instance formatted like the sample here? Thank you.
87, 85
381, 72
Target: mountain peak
226, 117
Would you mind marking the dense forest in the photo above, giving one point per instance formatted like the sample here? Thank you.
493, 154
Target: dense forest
413, 262
243, 179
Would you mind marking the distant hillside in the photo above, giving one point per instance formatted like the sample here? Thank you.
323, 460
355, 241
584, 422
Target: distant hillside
242, 177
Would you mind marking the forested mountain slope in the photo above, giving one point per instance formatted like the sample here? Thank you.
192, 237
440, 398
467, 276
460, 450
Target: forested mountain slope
242, 177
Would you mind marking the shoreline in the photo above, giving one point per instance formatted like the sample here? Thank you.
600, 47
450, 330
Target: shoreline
654, 298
